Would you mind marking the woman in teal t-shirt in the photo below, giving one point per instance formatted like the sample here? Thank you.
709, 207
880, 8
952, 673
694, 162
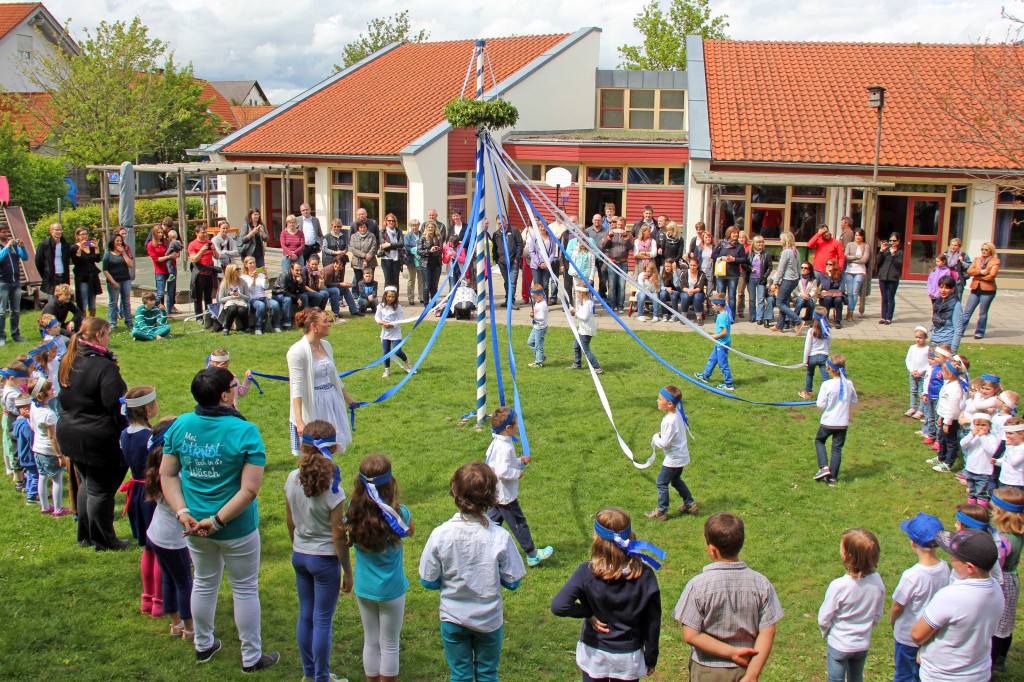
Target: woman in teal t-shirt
376, 526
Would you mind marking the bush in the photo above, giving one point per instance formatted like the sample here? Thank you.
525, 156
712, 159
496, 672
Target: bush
36, 182
146, 211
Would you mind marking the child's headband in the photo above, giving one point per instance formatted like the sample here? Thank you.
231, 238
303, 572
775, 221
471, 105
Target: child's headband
972, 523
1013, 428
943, 352
218, 358
841, 371
23, 401
392, 516
37, 387
1005, 399
826, 330
990, 378
390, 288
919, 328
983, 416
1006, 506
505, 424
322, 444
631, 547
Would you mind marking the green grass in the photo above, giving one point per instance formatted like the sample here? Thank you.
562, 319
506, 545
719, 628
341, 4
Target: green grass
69, 613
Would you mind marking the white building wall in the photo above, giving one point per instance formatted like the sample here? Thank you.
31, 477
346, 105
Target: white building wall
427, 171
693, 196
981, 215
11, 77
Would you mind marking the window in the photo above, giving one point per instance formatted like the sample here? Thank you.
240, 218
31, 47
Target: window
642, 109
311, 189
459, 185
352, 189
958, 212
604, 174
24, 46
369, 182
611, 109
395, 180
677, 176
773, 209
342, 195
646, 176
1008, 233
919, 188
534, 171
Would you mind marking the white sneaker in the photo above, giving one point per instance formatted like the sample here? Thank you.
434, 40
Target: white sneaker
386, 373
259, 332
665, 318
641, 318
655, 319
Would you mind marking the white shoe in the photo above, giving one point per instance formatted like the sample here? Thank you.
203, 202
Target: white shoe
641, 318
386, 373
655, 319
259, 332
665, 318
408, 368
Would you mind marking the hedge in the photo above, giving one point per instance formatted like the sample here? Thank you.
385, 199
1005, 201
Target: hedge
146, 211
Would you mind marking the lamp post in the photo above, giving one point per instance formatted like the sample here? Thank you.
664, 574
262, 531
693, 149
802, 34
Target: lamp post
876, 100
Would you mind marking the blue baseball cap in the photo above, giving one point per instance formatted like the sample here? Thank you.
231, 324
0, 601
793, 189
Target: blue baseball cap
922, 529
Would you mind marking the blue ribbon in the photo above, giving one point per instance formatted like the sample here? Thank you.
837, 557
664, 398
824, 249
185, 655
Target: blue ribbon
842, 375
15, 374
391, 515
679, 405
957, 373
972, 523
631, 547
1007, 506
252, 380
322, 444
826, 330
992, 378
504, 425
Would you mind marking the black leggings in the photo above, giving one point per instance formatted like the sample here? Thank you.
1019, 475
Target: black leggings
238, 315
392, 270
202, 292
96, 503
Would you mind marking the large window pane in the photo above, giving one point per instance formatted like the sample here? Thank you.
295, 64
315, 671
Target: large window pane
677, 176
673, 99
341, 177
254, 196
730, 212
397, 203
1011, 265
611, 118
641, 120
806, 191
670, 120
341, 205
804, 218
646, 176
957, 220
641, 99
611, 99
768, 194
395, 180
457, 184
369, 182
1009, 232
920, 188
532, 171
462, 205
372, 206
604, 174
959, 195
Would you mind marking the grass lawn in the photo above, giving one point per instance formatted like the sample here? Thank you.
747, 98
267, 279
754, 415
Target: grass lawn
69, 613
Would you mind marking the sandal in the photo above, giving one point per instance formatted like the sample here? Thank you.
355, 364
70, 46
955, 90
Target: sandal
177, 630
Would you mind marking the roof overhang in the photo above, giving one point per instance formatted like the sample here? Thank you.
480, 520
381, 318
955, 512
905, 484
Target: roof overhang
211, 168
780, 179
852, 167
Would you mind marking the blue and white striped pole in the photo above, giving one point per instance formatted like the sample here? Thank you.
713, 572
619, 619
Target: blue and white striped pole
481, 240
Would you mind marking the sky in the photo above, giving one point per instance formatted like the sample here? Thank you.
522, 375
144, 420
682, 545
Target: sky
290, 46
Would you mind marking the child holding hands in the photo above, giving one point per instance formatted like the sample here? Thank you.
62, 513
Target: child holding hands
917, 586
917, 366
720, 353
979, 448
672, 439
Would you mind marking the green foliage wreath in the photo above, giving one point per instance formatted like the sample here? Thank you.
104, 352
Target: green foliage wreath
472, 113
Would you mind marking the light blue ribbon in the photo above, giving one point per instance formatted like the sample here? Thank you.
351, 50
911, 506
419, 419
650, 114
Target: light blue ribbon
842, 375
322, 444
392, 516
826, 330
631, 547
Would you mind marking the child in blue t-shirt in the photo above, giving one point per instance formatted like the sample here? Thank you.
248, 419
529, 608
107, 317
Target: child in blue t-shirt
23, 438
930, 395
720, 353
377, 524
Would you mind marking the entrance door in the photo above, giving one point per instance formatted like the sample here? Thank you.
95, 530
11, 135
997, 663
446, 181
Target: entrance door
273, 215
922, 236
596, 198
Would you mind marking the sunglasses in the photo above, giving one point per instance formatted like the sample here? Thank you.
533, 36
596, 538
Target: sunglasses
234, 384
893, 241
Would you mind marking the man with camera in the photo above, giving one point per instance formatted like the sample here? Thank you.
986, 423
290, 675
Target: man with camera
11, 250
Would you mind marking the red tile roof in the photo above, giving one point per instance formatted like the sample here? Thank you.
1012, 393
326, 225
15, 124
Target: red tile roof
219, 105
383, 106
807, 103
12, 14
19, 106
246, 114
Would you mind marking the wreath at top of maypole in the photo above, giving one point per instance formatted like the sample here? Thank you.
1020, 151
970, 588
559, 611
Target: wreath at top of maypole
495, 114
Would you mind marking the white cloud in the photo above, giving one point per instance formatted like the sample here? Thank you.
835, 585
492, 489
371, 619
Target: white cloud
289, 46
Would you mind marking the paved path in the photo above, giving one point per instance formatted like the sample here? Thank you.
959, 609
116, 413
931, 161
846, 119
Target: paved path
1006, 318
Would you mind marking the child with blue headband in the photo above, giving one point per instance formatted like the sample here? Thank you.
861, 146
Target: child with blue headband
1008, 518
720, 352
947, 414
509, 468
835, 398
672, 439
817, 347
618, 598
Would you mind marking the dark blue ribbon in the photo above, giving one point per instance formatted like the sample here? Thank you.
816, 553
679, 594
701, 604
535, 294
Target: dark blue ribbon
826, 330
678, 403
841, 371
966, 520
633, 548
1007, 506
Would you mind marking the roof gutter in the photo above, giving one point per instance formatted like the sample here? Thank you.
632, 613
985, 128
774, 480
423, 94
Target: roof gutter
866, 167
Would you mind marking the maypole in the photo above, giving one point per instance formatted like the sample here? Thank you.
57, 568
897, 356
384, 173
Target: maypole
481, 240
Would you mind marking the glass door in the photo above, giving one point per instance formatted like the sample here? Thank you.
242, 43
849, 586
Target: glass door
923, 236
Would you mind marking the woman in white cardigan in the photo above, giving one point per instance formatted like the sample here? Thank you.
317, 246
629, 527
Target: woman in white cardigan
317, 391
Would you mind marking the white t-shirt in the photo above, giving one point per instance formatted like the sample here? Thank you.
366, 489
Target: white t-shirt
1012, 463
540, 315
978, 453
471, 561
40, 418
964, 616
501, 457
917, 359
917, 586
388, 314
672, 439
312, 516
852, 606
164, 530
835, 412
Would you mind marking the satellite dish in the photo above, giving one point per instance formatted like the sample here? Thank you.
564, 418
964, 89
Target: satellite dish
558, 177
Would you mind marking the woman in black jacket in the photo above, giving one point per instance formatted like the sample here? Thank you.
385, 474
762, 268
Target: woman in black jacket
890, 267
89, 430
252, 238
735, 257
85, 255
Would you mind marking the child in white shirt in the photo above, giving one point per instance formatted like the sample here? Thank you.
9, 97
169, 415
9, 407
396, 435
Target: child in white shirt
672, 439
587, 329
539, 314
853, 605
917, 586
917, 366
947, 412
509, 468
835, 398
388, 313
1011, 473
979, 448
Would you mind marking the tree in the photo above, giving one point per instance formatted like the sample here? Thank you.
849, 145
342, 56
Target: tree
664, 45
36, 182
122, 97
381, 32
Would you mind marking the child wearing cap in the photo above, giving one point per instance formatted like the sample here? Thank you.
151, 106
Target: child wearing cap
618, 598
947, 412
1011, 462
720, 353
1008, 518
917, 586
979, 448
587, 329
728, 611
672, 439
956, 627
24, 438
853, 605
930, 394
835, 399
917, 365
509, 468
387, 315
539, 315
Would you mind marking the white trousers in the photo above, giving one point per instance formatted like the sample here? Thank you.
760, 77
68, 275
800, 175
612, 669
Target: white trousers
382, 628
242, 559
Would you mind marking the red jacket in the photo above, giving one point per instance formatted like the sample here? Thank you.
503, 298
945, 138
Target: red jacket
824, 250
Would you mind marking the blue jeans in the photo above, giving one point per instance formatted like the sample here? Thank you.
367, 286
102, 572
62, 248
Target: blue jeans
120, 302
844, 667
86, 296
697, 300
333, 295
852, 285
838, 441
576, 348
10, 302
472, 656
928, 407
805, 304
317, 579
387, 345
812, 362
786, 288
642, 296
259, 307
311, 299
905, 658
542, 278
888, 290
536, 343
672, 476
729, 283
720, 357
669, 301
285, 304
984, 298
511, 279
617, 285
977, 485
916, 386
176, 572
760, 305
161, 290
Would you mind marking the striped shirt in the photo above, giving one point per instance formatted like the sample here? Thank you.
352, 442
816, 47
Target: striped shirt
730, 602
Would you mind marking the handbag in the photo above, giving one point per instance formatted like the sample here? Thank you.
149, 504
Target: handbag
721, 267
